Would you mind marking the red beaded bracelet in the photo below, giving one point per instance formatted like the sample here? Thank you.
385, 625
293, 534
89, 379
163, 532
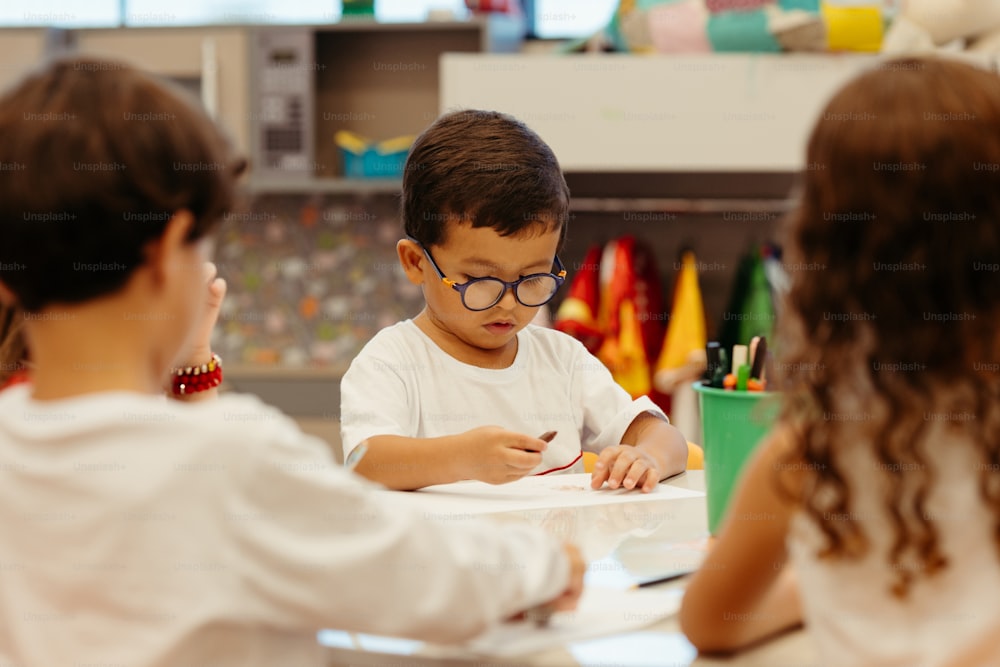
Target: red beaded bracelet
192, 379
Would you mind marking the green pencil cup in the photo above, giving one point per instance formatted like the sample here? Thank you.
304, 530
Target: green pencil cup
733, 423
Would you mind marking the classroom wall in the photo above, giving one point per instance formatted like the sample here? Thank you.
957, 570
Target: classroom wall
183, 53
20, 51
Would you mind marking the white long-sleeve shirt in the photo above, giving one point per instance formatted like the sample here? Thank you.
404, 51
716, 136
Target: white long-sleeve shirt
140, 532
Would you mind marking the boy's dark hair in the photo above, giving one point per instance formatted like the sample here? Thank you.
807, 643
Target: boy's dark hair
486, 169
96, 157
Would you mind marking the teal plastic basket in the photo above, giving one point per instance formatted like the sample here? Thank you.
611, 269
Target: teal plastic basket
373, 164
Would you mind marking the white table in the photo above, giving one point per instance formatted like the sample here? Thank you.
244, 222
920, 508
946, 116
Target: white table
623, 542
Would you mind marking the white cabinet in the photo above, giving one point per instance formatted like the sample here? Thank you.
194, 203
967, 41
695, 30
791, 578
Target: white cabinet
21, 49
658, 113
212, 60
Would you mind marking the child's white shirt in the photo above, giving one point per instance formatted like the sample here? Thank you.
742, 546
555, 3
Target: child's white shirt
143, 532
950, 619
403, 384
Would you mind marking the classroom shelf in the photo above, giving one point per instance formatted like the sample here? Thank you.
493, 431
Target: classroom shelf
679, 205
378, 80
334, 186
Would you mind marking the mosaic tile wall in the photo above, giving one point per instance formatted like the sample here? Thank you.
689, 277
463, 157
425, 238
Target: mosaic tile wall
311, 279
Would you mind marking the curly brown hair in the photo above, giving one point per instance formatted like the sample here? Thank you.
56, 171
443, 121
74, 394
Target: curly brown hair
895, 288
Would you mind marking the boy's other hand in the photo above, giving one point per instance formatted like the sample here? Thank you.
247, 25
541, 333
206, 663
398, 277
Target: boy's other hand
200, 349
569, 598
497, 456
625, 466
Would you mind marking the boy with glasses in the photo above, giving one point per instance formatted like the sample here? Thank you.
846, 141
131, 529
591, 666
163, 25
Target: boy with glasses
463, 390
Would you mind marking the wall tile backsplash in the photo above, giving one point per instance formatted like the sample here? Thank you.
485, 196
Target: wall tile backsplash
311, 279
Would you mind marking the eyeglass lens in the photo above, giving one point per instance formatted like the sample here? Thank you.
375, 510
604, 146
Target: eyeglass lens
535, 291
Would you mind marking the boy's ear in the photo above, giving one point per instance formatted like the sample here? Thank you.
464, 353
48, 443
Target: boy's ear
163, 253
412, 259
7, 298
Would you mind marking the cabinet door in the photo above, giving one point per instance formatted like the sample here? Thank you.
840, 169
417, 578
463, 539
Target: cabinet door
211, 61
663, 113
21, 49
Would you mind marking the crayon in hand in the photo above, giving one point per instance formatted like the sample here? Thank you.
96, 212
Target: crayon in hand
547, 437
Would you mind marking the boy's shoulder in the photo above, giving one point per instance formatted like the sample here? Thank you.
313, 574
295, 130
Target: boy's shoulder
404, 330
400, 339
242, 419
231, 425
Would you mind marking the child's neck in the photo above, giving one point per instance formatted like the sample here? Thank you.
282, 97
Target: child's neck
83, 350
457, 348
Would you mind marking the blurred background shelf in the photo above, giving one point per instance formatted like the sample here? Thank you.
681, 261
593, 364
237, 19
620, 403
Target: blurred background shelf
335, 186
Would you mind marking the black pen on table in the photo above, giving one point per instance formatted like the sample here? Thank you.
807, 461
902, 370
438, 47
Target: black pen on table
663, 580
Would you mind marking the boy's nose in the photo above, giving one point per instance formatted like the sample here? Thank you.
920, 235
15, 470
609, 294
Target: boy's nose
508, 300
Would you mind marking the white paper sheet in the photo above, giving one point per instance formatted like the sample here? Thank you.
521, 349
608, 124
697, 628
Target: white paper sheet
529, 493
602, 611
635, 649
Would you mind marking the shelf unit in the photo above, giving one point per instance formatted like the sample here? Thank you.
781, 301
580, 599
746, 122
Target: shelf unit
382, 82
331, 186
378, 80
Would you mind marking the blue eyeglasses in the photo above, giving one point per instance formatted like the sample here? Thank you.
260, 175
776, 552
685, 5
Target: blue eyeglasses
477, 294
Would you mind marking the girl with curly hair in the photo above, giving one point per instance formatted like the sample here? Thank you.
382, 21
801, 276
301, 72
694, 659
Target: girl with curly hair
880, 485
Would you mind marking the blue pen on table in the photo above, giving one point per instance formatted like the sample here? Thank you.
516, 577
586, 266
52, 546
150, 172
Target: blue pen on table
356, 455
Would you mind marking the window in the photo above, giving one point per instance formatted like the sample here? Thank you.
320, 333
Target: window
198, 12
562, 19
195, 12
61, 13
415, 10
553, 19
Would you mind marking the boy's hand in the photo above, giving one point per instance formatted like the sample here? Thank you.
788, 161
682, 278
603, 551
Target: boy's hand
497, 456
568, 599
200, 349
625, 466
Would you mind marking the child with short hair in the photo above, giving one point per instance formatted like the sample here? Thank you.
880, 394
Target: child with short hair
879, 483
142, 531
465, 389
13, 353
15, 358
